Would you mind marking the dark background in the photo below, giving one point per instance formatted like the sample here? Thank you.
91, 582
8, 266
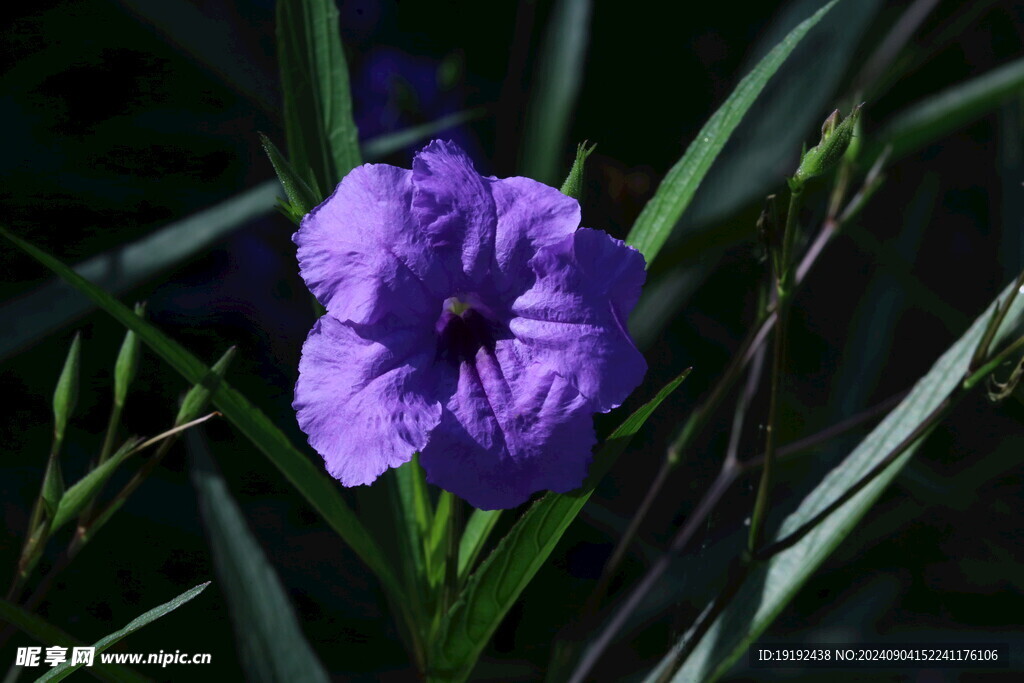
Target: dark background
122, 117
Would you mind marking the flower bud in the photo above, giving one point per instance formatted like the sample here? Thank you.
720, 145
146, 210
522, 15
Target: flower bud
835, 138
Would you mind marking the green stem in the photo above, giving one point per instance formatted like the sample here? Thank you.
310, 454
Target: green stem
112, 426
981, 352
991, 365
113, 423
785, 277
767, 471
784, 290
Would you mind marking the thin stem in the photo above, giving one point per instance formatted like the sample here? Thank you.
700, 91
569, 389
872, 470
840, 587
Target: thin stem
700, 415
764, 486
1001, 310
111, 434
38, 526
88, 529
113, 423
726, 477
749, 349
784, 292
990, 366
626, 540
743, 405
789, 239
893, 43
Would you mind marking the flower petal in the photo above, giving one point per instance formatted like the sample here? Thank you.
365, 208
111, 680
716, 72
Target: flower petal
573, 319
365, 397
509, 430
361, 254
454, 209
531, 216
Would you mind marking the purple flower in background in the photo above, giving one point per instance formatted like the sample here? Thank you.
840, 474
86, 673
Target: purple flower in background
468, 318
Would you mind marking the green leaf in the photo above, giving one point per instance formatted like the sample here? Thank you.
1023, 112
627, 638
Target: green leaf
301, 196
127, 363
271, 646
322, 136
437, 538
557, 83
389, 143
663, 211
763, 146
573, 185
771, 586
29, 318
66, 669
759, 150
951, 109
47, 634
54, 304
495, 586
85, 489
415, 515
310, 481
89, 486
478, 528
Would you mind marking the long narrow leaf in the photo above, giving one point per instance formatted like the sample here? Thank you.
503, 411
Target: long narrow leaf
28, 318
47, 634
766, 145
54, 304
271, 644
322, 136
415, 517
496, 585
310, 481
559, 75
86, 488
67, 668
663, 211
389, 143
299, 193
770, 587
954, 107
478, 528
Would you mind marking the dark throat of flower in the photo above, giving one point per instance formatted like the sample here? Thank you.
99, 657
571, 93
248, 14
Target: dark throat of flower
464, 329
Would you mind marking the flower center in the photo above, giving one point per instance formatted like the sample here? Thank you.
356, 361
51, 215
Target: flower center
463, 329
456, 306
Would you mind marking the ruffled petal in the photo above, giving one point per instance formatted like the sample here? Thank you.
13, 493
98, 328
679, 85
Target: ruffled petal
573, 319
361, 254
365, 397
531, 216
509, 430
455, 211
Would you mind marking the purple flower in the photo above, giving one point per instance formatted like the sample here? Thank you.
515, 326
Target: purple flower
468, 318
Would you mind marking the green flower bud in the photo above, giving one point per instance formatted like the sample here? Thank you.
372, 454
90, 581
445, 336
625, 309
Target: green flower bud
823, 157
66, 393
573, 185
127, 362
